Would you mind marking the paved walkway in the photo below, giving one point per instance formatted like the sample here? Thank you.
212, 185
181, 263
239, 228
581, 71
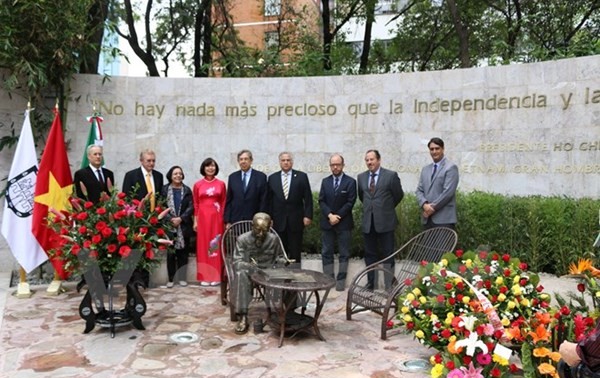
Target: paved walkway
42, 337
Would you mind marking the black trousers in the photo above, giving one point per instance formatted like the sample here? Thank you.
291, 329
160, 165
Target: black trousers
177, 264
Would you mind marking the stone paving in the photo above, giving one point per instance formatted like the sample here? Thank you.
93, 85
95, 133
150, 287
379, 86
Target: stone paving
42, 336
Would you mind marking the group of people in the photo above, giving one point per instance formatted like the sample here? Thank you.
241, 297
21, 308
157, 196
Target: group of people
210, 206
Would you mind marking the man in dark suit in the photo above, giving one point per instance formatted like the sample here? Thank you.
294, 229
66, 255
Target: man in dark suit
143, 180
380, 191
289, 198
436, 191
246, 191
94, 179
336, 200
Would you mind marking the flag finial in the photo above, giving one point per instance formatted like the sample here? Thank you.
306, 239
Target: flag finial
28, 105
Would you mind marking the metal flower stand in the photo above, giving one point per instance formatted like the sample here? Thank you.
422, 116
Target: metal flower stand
103, 285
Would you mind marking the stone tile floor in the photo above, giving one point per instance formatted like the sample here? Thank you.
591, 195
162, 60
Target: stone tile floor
42, 336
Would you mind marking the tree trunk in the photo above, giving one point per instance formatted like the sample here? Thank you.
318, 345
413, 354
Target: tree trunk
370, 17
327, 36
95, 31
462, 33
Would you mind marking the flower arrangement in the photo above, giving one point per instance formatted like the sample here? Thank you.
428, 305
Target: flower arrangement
464, 305
108, 232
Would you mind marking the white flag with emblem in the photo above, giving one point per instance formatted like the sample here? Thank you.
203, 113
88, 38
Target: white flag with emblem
18, 206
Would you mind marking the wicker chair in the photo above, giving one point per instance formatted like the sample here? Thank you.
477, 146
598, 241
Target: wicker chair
228, 242
429, 245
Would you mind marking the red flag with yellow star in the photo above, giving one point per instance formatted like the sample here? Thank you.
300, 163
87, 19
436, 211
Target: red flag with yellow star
52, 190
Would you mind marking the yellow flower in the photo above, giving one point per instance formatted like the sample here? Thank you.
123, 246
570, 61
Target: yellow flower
516, 289
546, 368
407, 318
505, 322
434, 318
582, 266
416, 291
502, 361
444, 262
452, 338
541, 352
405, 309
423, 300
516, 279
469, 263
598, 294
419, 334
511, 305
466, 300
437, 371
525, 302
555, 356
501, 297
499, 280
410, 296
544, 296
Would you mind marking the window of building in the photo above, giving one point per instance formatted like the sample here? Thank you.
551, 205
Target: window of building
272, 7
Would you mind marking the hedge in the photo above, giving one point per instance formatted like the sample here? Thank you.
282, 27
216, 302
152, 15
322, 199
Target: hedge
548, 233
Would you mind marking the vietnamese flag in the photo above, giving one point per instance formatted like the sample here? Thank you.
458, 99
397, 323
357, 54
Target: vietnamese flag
52, 190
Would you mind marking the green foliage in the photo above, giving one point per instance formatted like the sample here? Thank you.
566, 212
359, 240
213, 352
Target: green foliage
548, 233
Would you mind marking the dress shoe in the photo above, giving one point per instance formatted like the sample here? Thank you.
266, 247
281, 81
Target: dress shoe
242, 325
204, 283
214, 283
169, 284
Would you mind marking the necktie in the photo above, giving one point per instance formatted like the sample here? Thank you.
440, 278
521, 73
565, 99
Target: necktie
244, 181
149, 189
286, 188
372, 183
336, 184
434, 170
99, 173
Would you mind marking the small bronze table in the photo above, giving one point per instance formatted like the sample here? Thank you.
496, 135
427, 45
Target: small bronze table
286, 289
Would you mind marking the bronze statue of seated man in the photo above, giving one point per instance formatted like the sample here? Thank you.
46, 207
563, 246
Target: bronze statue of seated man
254, 250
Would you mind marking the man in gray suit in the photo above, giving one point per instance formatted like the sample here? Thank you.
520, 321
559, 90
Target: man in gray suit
436, 192
380, 191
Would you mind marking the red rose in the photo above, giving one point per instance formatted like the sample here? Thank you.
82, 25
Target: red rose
459, 252
523, 266
495, 372
565, 310
441, 298
407, 282
87, 244
121, 195
487, 284
389, 324
505, 257
506, 272
96, 239
452, 301
82, 229
503, 289
121, 203
410, 325
448, 286
93, 254
101, 211
443, 273
483, 255
138, 214
460, 285
462, 269
446, 333
581, 287
81, 216
88, 204
495, 257
106, 232
539, 289
149, 254
435, 338
111, 248
415, 303
124, 251
487, 269
523, 282
498, 334
434, 279
459, 297
450, 365
121, 238
513, 368
438, 358
153, 221
467, 360
75, 249
160, 232
423, 263
143, 230
100, 226
476, 270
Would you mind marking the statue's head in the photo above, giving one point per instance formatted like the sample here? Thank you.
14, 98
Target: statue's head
261, 223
